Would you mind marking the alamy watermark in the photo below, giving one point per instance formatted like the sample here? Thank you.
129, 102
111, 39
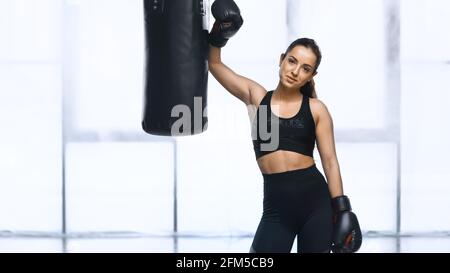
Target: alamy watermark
265, 127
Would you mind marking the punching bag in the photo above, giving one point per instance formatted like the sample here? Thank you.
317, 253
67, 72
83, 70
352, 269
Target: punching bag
176, 67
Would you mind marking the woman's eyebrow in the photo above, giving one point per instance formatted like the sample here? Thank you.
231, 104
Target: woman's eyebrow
297, 61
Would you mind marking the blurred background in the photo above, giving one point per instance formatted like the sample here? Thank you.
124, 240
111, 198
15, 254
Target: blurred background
78, 174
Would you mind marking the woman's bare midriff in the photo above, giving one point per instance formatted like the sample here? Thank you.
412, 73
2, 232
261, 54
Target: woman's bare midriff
283, 161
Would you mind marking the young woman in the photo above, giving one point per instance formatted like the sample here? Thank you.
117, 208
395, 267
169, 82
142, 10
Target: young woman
298, 201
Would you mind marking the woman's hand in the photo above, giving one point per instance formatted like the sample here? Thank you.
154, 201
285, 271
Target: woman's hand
228, 22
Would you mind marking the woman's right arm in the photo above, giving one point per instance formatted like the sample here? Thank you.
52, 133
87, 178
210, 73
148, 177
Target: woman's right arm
248, 91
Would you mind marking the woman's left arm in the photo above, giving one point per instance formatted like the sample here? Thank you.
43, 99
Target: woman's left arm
326, 148
347, 236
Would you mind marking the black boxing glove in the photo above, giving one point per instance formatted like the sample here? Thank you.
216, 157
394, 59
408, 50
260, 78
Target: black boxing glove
347, 237
228, 22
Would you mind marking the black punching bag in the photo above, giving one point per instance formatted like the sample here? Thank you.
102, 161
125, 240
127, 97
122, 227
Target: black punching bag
176, 76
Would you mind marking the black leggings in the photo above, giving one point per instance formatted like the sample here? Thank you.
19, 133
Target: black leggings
295, 203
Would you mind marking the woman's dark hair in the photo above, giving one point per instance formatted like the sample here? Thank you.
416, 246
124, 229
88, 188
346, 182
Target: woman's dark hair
308, 89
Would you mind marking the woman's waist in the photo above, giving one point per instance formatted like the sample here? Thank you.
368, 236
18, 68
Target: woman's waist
297, 148
283, 161
290, 174
298, 187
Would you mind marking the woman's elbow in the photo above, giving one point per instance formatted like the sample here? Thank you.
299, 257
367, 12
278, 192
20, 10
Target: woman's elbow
211, 66
330, 162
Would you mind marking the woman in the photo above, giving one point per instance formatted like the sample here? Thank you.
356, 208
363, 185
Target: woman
298, 201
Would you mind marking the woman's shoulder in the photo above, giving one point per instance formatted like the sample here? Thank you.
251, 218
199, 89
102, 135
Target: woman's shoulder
317, 104
318, 107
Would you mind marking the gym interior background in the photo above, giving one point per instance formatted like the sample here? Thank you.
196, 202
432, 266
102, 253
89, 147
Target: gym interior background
78, 174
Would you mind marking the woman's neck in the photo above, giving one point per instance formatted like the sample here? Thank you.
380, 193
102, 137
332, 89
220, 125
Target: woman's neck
285, 94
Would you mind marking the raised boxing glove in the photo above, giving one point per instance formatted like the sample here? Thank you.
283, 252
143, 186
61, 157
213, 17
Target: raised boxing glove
228, 22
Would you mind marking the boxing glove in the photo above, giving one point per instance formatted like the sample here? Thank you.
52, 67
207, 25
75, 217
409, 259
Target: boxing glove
347, 237
228, 22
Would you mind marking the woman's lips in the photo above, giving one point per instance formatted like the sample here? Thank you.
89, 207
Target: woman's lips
291, 79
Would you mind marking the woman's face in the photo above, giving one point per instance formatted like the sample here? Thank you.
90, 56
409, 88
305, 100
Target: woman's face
297, 67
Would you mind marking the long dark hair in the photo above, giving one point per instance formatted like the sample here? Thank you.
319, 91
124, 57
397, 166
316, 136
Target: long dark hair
309, 88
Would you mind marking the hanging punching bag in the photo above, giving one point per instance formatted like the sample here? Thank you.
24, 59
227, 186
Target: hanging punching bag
176, 73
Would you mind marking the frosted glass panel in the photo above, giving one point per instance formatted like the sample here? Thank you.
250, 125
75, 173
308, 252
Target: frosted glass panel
263, 72
30, 147
425, 130
425, 245
29, 30
378, 245
263, 34
107, 63
120, 187
425, 147
369, 175
220, 188
351, 79
424, 30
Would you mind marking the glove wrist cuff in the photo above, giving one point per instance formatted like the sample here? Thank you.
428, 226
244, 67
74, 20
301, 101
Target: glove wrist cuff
217, 41
341, 203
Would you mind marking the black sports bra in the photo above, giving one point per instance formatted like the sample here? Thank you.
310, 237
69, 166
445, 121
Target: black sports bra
295, 134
